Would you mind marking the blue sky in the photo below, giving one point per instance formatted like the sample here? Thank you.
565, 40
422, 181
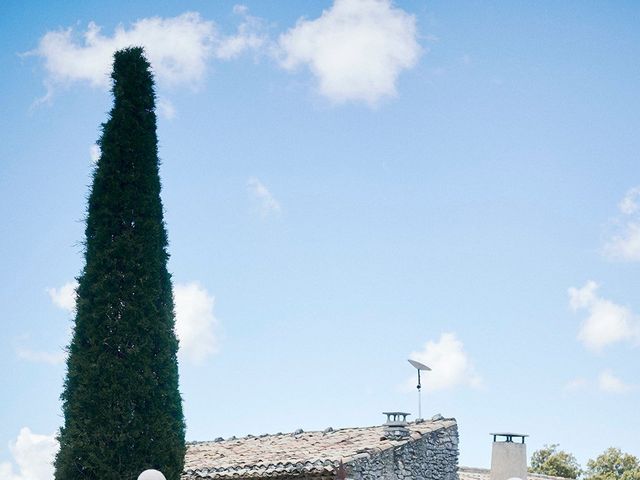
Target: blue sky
346, 185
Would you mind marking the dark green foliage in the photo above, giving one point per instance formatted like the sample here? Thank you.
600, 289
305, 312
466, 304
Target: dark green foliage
121, 404
551, 461
613, 464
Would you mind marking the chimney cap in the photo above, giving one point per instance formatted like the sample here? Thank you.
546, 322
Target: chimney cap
395, 428
509, 436
396, 418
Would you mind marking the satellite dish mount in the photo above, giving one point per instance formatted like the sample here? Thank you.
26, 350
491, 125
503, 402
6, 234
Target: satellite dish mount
419, 366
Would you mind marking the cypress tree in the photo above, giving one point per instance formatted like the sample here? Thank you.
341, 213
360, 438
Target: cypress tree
121, 404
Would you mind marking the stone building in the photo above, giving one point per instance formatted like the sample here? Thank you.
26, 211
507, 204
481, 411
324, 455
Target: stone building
397, 450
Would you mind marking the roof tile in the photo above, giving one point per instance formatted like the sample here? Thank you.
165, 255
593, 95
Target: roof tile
314, 453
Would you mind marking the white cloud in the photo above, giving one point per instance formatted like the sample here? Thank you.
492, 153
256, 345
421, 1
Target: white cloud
605, 382
166, 109
449, 363
94, 153
431, 38
33, 455
36, 356
629, 204
624, 244
267, 203
583, 297
65, 299
607, 323
575, 384
356, 49
178, 49
608, 382
65, 296
251, 35
240, 9
196, 324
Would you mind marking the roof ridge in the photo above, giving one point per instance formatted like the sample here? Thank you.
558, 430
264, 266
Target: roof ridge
300, 431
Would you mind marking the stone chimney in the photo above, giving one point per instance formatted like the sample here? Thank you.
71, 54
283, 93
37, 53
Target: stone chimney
508, 457
395, 428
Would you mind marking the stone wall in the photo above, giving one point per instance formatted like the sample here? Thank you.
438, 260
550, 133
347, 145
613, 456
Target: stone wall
434, 456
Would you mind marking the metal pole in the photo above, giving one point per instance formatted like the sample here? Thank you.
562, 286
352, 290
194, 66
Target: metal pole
419, 396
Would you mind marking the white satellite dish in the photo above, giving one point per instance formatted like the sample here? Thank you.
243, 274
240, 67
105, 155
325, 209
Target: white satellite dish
419, 367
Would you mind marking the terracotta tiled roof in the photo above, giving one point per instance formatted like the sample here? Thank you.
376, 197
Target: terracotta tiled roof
308, 453
469, 473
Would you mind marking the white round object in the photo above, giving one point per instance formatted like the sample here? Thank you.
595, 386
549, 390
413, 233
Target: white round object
151, 475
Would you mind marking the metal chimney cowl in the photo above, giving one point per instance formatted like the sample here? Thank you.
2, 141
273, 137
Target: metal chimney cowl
508, 458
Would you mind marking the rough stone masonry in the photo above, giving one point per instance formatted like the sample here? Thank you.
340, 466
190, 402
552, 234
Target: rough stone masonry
433, 456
